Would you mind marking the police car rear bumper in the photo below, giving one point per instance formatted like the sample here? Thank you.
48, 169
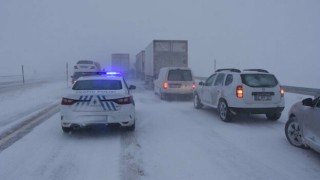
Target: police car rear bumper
83, 119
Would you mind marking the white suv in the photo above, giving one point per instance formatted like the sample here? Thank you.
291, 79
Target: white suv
231, 91
100, 99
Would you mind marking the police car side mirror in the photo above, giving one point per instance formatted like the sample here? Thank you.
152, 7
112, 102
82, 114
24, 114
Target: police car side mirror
132, 87
201, 83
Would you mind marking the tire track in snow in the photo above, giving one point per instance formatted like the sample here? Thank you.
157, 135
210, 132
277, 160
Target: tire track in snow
131, 160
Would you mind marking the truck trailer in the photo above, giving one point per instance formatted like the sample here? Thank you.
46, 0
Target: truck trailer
139, 65
164, 53
120, 63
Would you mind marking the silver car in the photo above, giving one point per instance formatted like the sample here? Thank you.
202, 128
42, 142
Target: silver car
303, 127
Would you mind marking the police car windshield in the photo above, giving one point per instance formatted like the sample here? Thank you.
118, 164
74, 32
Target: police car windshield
98, 85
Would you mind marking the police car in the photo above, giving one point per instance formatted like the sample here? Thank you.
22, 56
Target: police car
98, 99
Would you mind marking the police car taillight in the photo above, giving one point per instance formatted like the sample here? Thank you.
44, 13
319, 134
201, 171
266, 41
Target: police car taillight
126, 100
66, 101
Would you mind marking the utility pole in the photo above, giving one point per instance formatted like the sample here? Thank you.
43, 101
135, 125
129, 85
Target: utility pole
67, 73
22, 74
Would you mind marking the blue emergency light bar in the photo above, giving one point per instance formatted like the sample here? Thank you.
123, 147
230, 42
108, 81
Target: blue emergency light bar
113, 73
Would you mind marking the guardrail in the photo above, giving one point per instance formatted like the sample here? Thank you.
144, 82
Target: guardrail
302, 90
289, 89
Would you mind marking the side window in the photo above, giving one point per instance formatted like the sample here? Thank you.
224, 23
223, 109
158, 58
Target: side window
318, 103
209, 81
229, 80
219, 80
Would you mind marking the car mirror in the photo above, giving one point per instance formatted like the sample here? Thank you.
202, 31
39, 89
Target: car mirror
132, 87
201, 83
307, 102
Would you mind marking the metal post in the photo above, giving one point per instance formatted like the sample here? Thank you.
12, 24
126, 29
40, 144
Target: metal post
67, 73
22, 75
215, 65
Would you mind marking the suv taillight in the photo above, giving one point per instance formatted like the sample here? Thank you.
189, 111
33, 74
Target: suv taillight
126, 100
239, 92
66, 101
281, 91
165, 85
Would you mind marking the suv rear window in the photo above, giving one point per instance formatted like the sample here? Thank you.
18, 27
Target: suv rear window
259, 80
179, 75
97, 85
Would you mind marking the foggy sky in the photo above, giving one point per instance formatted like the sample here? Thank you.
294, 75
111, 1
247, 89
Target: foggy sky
282, 36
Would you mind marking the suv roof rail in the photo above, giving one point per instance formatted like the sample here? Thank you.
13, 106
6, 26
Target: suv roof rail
229, 69
258, 70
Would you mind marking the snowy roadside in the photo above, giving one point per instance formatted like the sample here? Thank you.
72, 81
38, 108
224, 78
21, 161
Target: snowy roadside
24, 101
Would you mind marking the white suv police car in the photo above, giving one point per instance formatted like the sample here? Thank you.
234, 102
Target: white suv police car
231, 91
100, 99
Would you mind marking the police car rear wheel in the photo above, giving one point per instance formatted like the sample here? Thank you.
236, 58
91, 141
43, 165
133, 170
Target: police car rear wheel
132, 127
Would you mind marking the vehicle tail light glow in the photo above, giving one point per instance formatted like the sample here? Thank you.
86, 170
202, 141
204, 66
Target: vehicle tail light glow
239, 92
165, 85
193, 85
281, 91
126, 100
66, 101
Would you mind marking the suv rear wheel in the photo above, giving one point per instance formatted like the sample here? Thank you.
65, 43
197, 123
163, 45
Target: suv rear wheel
224, 112
273, 116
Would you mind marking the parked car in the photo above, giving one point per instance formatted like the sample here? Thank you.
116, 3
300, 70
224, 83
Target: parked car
231, 91
86, 66
303, 127
98, 99
174, 81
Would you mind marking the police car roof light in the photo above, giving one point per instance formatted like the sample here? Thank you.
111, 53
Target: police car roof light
111, 73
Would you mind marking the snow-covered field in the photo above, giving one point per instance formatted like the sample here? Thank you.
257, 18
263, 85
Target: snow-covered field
172, 140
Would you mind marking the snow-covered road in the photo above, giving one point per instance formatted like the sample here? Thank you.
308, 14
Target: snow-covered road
172, 141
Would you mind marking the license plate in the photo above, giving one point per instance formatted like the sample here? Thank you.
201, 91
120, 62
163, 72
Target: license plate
262, 98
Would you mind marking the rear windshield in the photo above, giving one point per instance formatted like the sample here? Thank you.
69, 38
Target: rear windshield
85, 62
97, 85
259, 80
179, 75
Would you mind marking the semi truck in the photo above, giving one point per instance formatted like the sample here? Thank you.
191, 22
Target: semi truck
164, 53
120, 63
139, 65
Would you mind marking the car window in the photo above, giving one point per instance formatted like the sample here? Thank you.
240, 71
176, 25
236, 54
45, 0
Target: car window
318, 102
179, 75
209, 81
85, 62
229, 79
97, 85
259, 80
219, 80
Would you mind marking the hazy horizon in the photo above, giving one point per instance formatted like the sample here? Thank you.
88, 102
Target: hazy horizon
280, 36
